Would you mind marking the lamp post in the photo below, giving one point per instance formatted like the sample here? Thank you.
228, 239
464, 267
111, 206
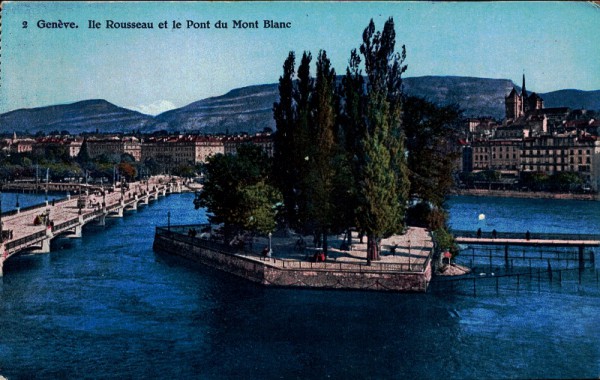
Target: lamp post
46, 191
17, 206
79, 199
409, 254
1, 227
270, 250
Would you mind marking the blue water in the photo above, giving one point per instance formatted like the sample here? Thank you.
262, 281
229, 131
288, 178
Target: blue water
520, 215
9, 200
107, 306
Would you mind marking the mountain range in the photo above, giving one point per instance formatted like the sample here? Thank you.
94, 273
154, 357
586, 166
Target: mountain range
249, 109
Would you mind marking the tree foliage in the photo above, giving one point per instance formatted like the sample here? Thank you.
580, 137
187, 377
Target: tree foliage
431, 134
379, 152
340, 155
237, 190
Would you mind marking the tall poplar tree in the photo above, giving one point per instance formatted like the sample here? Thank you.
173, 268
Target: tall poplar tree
382, 177
322, 173
293, 142
351, 132
285, 173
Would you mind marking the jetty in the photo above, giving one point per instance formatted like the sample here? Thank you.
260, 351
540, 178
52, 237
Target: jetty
527, 239
31, 229
286, 259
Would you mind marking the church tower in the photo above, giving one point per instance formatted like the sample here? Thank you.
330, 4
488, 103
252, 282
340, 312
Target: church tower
519, 105
513, 105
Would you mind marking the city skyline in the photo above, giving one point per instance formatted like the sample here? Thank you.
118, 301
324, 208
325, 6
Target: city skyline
154, 70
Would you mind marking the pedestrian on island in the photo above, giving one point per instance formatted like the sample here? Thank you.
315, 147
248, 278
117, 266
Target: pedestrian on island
478, 233
494, 234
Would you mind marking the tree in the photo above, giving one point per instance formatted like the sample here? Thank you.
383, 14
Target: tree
352, 129
127, 170
431, 133
284, 114
382, 181
238, 193
306, 144
84, 155
321, 170
260, 201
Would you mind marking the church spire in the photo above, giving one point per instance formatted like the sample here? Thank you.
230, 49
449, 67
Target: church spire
523, 90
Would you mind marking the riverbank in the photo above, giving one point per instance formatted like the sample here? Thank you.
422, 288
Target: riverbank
525, 194
405, 264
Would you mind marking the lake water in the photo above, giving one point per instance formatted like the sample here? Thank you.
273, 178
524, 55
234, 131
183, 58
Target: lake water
107, 306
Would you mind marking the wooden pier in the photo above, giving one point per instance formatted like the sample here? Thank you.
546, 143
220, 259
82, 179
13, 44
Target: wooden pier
527, 239
33, 228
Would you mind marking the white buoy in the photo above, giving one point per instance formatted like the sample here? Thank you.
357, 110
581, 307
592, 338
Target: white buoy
481, 216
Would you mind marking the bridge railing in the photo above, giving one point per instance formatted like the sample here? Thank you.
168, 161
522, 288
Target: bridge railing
523, 235
14, 244
93, 214
65, 225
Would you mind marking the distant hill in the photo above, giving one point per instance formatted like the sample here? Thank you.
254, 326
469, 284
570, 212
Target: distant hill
476, 96
573, 99
246, 109
249, 109
84, 116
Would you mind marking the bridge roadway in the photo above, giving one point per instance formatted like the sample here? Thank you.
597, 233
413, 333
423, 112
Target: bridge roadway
20, 233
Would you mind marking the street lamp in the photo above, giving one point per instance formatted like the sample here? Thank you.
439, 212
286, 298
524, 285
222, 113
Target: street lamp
270, 250
46, 191
408, 254
1, 231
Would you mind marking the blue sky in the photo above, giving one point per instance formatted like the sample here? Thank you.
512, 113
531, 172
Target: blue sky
556, 45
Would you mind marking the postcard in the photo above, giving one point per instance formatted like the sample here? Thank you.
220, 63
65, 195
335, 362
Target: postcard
317, 189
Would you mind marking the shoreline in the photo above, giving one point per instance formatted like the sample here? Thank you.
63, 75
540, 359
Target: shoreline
525, 194
407, 269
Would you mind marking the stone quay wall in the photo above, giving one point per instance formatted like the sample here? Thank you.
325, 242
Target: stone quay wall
265, 272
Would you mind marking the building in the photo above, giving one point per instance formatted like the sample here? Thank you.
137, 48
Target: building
263, 140
482, 127
114, 146
71, 145
501, 155
172, 151
518, 105
552, 154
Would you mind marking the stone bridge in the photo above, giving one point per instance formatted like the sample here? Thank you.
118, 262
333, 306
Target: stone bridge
32, 229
